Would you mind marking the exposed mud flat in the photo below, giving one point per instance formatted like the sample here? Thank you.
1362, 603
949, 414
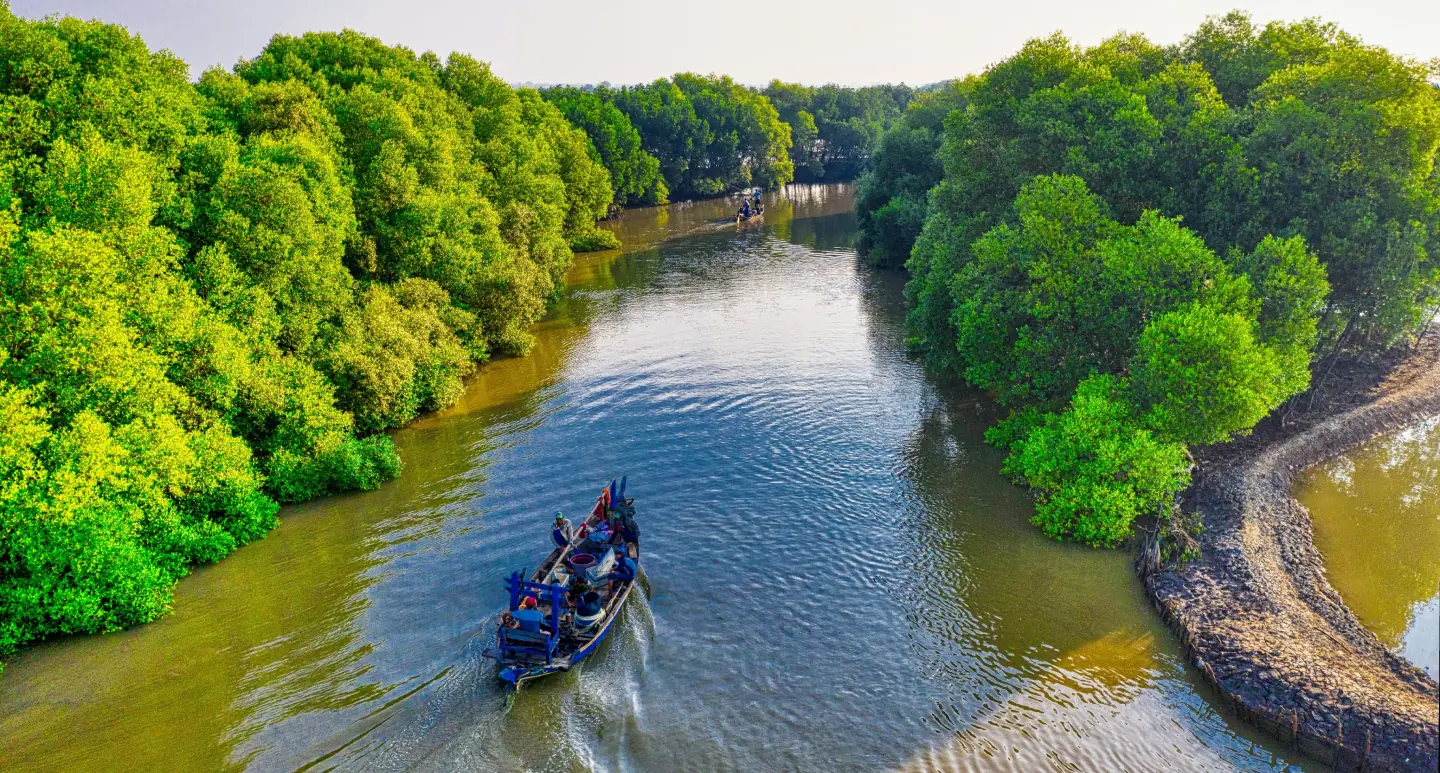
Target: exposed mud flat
1256, 612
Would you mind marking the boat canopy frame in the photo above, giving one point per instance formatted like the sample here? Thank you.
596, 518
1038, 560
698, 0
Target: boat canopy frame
531, 643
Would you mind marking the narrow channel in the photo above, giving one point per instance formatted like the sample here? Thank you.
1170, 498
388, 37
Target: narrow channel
838, 577
1376, 514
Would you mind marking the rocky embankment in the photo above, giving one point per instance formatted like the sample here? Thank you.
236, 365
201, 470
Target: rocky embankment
1256, 612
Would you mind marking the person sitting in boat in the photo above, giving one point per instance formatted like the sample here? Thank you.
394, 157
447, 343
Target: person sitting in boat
563, 534
627, 532
745, 209
625, 570
528, 617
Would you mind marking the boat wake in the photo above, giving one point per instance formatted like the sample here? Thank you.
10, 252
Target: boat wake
583, 720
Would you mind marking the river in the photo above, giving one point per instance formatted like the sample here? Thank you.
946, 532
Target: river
1376, 516
838, 578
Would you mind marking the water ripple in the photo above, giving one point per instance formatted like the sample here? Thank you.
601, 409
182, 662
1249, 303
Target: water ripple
838, 578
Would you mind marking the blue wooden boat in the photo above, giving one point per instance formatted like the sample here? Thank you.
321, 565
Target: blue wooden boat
579, 591
755, 212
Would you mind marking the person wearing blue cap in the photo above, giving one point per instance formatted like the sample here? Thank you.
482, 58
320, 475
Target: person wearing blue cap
562, 534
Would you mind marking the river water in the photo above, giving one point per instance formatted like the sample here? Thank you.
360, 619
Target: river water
838, 578
1376, 515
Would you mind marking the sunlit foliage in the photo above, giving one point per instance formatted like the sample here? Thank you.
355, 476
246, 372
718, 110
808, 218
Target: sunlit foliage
634, 172
1059, 294
214, 295
1286, 130
709, 134
1189, 224
1094, 468
835, 129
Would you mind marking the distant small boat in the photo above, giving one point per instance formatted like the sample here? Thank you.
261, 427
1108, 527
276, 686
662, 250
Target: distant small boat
579, 591
755, 214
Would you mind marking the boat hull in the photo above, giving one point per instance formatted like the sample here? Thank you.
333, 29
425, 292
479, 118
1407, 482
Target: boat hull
519, 676
554, 639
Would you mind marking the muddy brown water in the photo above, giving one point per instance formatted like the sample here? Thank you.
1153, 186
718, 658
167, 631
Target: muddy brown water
1376, 516
837, 576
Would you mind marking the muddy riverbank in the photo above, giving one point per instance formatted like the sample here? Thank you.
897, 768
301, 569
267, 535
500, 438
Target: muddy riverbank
1257, 614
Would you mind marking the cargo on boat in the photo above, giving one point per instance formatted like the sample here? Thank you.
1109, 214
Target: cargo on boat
561, 614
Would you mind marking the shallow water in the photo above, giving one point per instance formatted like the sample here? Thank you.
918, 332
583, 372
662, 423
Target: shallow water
838, 578
1376, 516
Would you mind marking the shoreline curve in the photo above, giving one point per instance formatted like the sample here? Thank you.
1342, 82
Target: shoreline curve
1256, 613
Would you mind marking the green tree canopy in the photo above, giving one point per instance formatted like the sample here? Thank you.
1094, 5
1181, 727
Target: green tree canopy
836, 129
891, 200
709, 134
1094, 468
1292, 129
1059, 291
213, 294
634, 172
1201, 377
1153, 340
459, 179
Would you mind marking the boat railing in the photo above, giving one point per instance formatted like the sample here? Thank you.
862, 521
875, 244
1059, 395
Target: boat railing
532, 643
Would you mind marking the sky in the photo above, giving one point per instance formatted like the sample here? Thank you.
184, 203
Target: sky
632, 41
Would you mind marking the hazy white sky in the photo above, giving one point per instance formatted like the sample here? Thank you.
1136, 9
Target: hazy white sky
629, 41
